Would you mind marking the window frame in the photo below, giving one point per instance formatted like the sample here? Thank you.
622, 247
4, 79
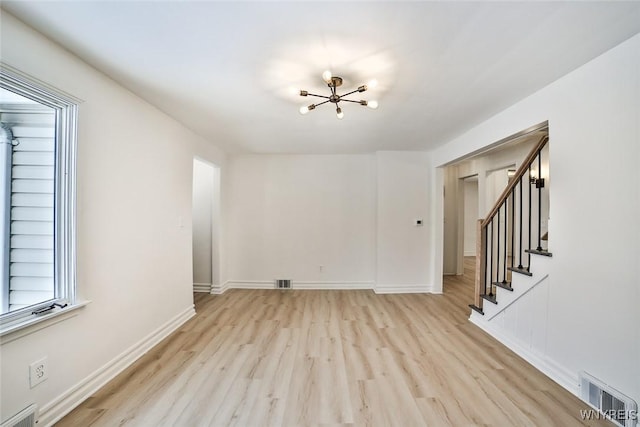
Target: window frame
65, 107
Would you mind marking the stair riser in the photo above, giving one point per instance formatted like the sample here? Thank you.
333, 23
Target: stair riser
520, 284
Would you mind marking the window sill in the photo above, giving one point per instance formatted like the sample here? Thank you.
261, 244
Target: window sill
14, 331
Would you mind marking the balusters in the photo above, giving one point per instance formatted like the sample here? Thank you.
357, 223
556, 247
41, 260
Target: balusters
513, 227
539, 186
486, 258
529, 211
498, 250
506, 253
520, 228
506, 219
491, 265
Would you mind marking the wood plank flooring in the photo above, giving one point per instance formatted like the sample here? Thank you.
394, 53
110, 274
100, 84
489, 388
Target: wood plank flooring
304, 358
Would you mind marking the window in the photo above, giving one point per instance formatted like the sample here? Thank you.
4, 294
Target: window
37, 197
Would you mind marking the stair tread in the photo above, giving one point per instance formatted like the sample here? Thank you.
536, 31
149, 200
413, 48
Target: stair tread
490, 298
476, 308
520, 270
505, 285
537, 252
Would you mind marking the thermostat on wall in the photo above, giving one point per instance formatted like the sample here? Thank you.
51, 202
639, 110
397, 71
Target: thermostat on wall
418, 222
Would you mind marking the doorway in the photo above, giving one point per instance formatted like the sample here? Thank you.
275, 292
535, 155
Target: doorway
470, 215
206, 226
484, 174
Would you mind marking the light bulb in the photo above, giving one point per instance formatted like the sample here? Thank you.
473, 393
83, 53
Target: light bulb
372, 84
372, 104
339, 113
293, 91
326, 76
304, 109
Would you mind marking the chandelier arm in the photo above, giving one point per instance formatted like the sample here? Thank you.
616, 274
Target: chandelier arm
347, 94
323, 102
319, 96
348, 100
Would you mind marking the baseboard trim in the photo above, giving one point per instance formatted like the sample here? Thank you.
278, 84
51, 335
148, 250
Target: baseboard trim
53, 411
296, 284
202, 287
552, 369
470, 253
318, 285
219, 289
249, 284
328, 285
405, 289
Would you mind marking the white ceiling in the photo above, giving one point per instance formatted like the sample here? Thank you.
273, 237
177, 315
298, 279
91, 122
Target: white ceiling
230, 70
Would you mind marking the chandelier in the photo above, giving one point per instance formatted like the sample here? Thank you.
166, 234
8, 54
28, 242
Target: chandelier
334, 82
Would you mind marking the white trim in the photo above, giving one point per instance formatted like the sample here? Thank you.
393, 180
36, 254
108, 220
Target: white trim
249, 284
219, 289
470, 253
295, 284
202, 287
552, 369
36, 323
65, 403
318, 285
66, 134
405, 289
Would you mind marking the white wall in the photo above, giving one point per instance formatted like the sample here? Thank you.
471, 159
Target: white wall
594, 119
133, 226
402, 247
495, 183
354, 215
470, 216
291, 214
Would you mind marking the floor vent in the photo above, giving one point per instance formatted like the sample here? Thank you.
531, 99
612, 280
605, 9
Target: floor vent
610, 403
283, 283
24, 418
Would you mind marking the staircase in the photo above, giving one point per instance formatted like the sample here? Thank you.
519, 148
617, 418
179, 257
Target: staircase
510, 240
520, 319
521, 290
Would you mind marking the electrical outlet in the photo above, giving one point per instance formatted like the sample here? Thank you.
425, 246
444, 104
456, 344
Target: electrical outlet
38, 372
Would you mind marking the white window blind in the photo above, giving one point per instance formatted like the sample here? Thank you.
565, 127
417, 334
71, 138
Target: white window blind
31, 247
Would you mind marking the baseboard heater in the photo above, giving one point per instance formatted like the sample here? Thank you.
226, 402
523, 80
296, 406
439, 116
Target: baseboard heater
615, 406
283, 283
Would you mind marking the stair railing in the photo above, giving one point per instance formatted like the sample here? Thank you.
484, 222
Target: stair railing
510, 221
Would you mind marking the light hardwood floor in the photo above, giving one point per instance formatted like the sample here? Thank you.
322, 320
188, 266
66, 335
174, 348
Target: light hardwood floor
299, 358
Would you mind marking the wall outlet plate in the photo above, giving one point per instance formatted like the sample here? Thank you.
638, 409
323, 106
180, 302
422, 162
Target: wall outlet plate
38, 372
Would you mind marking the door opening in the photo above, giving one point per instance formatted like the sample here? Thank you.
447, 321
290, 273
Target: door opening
485, 175
206, 227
